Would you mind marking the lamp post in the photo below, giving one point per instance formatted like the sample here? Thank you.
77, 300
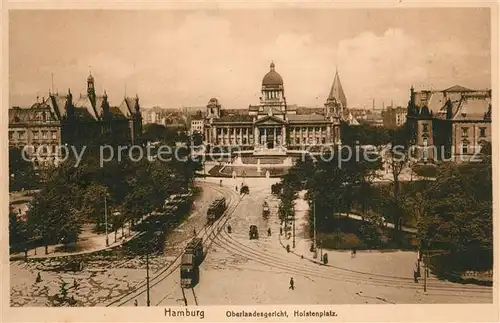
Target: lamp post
293, 223
314, 232
106, 218
147, 277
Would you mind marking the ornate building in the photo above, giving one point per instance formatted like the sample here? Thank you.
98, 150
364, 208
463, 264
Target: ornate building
64, 120
452, 123
273, 124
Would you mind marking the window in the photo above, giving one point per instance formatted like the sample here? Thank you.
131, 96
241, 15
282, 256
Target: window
465, 144
323, 140
11, 135
54, 135
425, 127
465, 132
482, 132
44, 134
21, 134
35, 134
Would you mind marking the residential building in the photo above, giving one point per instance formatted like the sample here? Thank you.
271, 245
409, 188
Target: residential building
394, 117
451, 124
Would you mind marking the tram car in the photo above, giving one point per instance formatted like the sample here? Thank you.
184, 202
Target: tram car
265, 210
190, 263
216, 209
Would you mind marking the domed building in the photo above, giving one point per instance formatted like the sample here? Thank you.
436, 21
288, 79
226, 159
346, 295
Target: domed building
273, 124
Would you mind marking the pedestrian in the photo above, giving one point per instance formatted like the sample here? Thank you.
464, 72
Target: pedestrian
136, 303
25, 254
75, 284
269, 232
38, 277
287, 248
236, 188
194, 231
415, 276
353, 252
220, 183
281, 231
291, 284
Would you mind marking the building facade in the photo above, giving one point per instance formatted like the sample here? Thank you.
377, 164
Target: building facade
394, 117
449, 124
65, 120
197, 125
39, 129
273, 124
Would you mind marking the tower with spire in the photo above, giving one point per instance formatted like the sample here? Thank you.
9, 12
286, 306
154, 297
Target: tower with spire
336, 103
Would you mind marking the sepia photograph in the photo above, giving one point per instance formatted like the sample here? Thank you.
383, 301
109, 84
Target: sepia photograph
250, 157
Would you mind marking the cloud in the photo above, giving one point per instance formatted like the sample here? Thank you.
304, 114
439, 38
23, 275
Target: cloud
191, 57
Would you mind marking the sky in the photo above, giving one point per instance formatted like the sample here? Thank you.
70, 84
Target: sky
183, 58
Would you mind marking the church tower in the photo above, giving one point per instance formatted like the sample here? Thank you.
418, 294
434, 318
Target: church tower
91, 89
336, 104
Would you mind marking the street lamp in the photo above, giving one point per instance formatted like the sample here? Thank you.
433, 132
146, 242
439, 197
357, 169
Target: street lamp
106, 218
293, 219
315, 254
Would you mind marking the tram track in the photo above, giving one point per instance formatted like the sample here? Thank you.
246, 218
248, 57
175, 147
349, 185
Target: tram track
206, 232
275, 260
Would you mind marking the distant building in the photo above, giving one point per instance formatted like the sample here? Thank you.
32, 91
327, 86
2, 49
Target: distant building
452, 123
153, 115
64, 120
373, 119
394, 117
197, 124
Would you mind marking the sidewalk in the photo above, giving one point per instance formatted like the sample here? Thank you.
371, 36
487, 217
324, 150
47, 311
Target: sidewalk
88, 242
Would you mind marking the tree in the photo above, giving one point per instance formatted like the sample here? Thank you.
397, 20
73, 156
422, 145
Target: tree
398, 158
17, 231
52, 217
21, 171
197, 138
93, 205
370, 235
154, 132
458, 214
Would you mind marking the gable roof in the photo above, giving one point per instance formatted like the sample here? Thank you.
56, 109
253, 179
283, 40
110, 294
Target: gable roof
116, 113
457, 88
271, 120
127, 107
84, 102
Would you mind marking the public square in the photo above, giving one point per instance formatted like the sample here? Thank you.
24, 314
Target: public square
240, 271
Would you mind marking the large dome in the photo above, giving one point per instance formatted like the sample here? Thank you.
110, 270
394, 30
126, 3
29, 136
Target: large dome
272, 77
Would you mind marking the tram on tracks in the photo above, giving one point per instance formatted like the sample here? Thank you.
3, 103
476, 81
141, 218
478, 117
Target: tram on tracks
216, 210
191, 260
265, 210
